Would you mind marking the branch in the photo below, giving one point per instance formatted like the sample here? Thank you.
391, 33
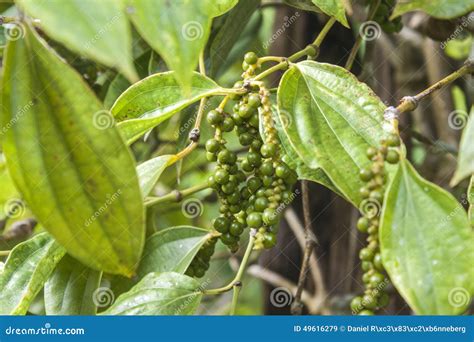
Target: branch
311, 50
315, 269
355, 48
409, 103
175, 195
297, 308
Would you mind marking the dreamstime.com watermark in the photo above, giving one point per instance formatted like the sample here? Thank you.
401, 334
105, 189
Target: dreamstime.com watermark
15, 119
465, 22
104, 29
287, 22
281, 297
103, 208
46, 330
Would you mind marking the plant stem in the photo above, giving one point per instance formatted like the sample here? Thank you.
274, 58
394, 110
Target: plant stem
237, 279
319, 39
8, 20
176, 195
355, 48
309, 50
4, 253
297, 308
235, 298
409, 103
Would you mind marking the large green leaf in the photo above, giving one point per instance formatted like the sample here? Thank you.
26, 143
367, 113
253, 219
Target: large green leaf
442, 9
156, 98
172, 249
151, 170
178, 30
159, 294
427, 245
294, 161
69, 161
70, 289
95, 29
465, 166
27, 268
333, 8
330, 120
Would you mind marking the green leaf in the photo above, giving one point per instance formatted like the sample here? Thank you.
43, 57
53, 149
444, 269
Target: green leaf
155, 99
172, 249
305, 5
219, 7
159, 294
96, 29
442, 9
151, 170
229, 33
465, 166
333, 8
331, 119
291, 158
69, 161
427, 245
178, 30
70, 289
26, 270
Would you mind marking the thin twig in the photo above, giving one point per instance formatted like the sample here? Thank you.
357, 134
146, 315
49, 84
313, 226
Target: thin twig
297, 308
356, 46
314, 267
175, 195
409, 103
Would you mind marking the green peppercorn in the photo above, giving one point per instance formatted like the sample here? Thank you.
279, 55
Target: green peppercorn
214, 117
245, 139
226, 157
270, 216
250, 58
236, 228
371, 152
356, 304
254, 100
254, 184
393, 140
221, 224
261, 203
228, 124
268, 150
363, 224
392, 157
366, 254
221, 176
269, 240
254, 220
369, 301
282, 171
254, 159
366, 313
365, 175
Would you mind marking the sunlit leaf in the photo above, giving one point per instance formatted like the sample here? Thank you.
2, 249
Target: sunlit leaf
159, 294
96, 29
172, 249
427, 245
69, 161
27, 268
70, 289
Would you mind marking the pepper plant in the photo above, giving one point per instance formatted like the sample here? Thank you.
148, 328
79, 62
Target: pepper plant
91, 92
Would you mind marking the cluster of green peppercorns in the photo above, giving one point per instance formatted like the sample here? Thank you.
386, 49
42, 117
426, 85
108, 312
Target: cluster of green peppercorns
251, 186
201, 261
372, 193
382, 16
